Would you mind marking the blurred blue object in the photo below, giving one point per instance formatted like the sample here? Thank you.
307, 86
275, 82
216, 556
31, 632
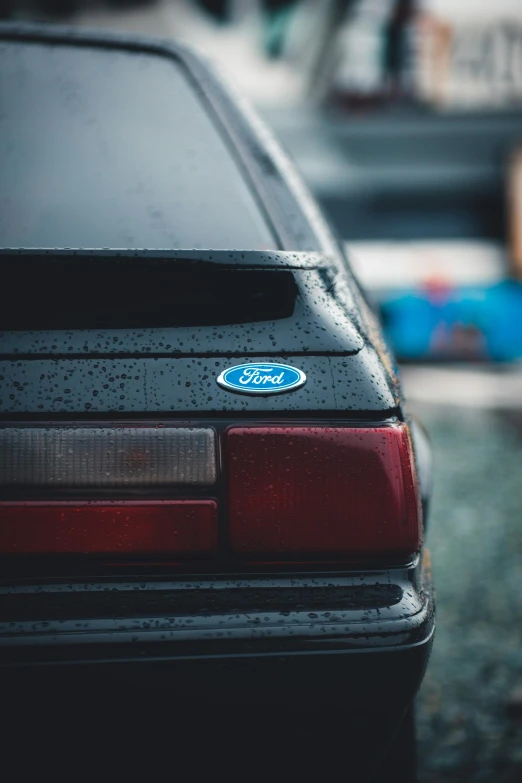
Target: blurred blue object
439, 321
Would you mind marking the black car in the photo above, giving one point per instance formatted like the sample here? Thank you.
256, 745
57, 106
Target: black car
211, 493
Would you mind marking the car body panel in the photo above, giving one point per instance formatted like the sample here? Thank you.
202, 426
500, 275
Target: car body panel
188, 385
320, 323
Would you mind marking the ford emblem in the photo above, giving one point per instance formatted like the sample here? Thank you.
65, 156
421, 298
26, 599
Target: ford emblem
261, 378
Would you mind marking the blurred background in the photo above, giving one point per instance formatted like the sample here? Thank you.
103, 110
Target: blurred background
405, 119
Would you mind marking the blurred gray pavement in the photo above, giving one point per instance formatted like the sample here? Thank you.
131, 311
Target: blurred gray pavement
470, 708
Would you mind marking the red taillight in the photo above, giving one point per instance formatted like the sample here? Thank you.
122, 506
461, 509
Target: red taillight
166, 527
330, 491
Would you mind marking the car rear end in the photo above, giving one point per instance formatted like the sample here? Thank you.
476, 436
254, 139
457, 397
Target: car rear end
160, 532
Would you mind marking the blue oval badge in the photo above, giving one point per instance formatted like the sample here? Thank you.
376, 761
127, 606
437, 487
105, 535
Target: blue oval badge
262, 378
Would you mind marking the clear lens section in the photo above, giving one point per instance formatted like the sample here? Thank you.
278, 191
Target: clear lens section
107, 457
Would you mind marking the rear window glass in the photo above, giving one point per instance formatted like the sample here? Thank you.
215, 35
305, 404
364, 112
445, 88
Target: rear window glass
114, 149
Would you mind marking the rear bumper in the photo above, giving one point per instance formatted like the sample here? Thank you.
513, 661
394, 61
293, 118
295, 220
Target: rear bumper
227, 636
331, 662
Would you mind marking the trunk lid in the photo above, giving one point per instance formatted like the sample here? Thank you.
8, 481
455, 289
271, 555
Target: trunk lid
150, 332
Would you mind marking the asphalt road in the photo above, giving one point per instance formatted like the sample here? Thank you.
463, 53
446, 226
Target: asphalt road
470, 707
